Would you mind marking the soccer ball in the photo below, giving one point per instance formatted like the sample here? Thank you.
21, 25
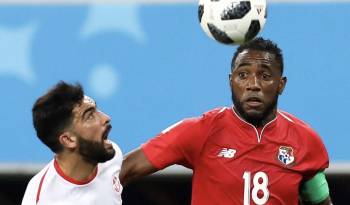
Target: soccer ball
232, 21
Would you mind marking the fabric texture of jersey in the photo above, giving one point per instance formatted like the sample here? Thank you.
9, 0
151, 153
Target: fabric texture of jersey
50, 186
235, 163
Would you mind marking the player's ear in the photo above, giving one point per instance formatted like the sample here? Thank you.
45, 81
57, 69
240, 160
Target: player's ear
68, 140
282, 84
230, 79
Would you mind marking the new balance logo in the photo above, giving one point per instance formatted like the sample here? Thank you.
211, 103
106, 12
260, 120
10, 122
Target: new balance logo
227, 153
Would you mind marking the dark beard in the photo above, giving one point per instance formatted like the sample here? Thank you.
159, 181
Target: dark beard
258, 119
94, 152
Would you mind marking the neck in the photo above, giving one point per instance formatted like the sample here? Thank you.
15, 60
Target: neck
266, 120
260, 122
75, 167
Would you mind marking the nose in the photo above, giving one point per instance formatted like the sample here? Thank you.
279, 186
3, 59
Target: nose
253, 83
104, 117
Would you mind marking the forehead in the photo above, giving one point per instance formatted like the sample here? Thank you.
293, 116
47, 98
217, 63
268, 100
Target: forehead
89, 101
256, 57
86, 103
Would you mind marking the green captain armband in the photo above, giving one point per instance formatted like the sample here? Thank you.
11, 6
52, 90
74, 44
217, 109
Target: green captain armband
315, 190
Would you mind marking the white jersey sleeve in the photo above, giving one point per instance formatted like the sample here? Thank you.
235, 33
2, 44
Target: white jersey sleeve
29, 195
33, 188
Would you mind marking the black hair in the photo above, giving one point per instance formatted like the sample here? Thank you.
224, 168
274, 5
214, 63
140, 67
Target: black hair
53, 112
260, 44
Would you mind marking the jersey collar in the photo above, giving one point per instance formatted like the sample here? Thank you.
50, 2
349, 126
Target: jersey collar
260, 130
70, 179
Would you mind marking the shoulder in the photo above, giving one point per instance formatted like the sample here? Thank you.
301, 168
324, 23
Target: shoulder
217, 112
35, 180
310, 147
218, 117
302, 132
298, 124
200, 121
34, 185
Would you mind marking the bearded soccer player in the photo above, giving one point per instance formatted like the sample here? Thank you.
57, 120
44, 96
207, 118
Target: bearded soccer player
85, 169
251, 153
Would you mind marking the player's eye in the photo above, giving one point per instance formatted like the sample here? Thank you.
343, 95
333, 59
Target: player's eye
242, 75
266, 76
91, 115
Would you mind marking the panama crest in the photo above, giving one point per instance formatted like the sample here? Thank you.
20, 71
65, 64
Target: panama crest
285, 155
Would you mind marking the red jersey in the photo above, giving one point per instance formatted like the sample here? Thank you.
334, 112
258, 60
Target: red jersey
235, 163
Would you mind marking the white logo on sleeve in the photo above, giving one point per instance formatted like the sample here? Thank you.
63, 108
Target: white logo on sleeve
227, 153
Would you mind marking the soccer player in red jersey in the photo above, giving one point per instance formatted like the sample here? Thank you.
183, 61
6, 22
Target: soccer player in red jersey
251, 153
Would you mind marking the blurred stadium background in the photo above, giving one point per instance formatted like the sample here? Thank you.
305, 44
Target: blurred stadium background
148, 65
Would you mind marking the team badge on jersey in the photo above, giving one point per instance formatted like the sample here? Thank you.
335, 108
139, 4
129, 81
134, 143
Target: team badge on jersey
227, 153
116, 183
285, 155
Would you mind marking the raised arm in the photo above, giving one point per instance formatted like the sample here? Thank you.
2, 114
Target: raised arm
135, 165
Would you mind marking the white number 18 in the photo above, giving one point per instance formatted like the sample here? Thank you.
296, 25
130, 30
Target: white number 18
256, 187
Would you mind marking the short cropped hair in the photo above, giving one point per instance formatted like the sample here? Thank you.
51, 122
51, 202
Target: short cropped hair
260, 44
53, 112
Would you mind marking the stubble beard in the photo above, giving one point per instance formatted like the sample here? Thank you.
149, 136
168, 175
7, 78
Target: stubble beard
257, 119
93, 151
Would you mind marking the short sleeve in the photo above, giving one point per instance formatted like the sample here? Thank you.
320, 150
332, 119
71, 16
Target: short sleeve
312, 156
30, 194
316, 156
181, 143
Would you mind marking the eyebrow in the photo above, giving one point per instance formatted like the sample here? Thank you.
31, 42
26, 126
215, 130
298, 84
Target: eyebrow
87, 111
243, 64
266, 66
263, 65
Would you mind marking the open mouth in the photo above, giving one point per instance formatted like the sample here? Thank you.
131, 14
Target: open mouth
254, 101
106, 132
